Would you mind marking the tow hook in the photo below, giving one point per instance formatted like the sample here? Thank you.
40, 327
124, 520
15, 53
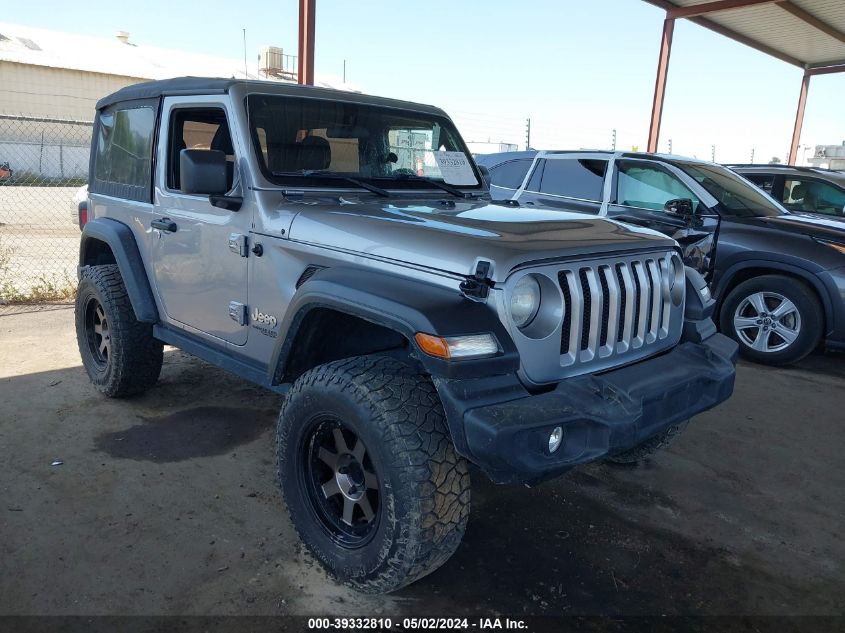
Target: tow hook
477, 287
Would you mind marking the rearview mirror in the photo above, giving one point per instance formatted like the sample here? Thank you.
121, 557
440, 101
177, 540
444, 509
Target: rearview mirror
203, 171
682, 207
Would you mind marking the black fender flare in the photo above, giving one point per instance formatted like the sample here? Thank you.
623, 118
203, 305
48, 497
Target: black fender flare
122, 243
406, 306
774, 265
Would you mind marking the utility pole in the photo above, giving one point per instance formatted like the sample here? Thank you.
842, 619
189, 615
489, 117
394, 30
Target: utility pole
613, 142
752, 155
344, 71
528, 133
713, 153
307, 19
246, 73
670, 145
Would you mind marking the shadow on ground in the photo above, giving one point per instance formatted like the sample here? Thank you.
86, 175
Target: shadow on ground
166, 503
185, 434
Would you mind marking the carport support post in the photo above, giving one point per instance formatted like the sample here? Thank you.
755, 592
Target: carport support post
660, 84
307, 19
799, 118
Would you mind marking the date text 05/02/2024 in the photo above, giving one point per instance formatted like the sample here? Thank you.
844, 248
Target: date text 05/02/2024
413, 624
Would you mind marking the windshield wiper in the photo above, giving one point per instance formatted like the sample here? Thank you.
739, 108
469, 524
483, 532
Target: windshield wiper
305, 173
437, 183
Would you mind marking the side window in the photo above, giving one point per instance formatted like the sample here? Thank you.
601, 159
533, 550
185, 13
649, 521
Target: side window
574, 178
510, 174
766, 182
648, 187
813, 195
198, 128
123, 156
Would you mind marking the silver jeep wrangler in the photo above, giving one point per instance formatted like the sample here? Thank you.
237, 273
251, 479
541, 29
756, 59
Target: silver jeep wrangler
343, 250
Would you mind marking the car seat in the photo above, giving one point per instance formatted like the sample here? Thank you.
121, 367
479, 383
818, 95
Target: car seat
222, 141
315, 152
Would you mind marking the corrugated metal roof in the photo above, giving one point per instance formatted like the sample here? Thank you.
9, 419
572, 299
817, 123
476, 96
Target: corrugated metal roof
111, 56
808, 33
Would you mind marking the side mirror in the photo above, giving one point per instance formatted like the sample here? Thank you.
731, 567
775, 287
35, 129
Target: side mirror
203, 171
485, 175
682, 207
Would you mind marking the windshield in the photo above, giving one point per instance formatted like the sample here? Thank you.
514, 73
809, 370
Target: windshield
304, 142
736, 196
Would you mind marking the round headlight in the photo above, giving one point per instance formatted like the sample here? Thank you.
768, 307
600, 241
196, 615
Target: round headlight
676, 270
677, 280
525, 301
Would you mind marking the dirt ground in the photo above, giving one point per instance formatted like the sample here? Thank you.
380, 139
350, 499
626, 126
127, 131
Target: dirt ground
166, 504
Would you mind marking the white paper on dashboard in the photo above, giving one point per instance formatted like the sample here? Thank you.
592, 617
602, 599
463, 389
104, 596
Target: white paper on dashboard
455, 168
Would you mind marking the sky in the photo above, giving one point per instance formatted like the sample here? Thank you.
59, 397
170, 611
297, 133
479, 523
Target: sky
578, 70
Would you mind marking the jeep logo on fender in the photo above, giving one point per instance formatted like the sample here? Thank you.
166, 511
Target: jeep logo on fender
259, 317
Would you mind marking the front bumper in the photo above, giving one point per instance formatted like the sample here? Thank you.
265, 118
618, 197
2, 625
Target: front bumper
600, 415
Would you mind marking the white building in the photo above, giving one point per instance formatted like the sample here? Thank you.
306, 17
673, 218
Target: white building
61, 76
828, 156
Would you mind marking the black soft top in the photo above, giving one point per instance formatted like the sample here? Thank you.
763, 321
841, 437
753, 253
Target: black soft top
212, 86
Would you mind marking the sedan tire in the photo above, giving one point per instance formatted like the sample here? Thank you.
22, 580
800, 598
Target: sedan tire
776, 320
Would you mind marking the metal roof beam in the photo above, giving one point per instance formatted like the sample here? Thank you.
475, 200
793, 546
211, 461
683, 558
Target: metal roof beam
726, 32
307, 18
826, 70
812, 20
712, 7
830, 64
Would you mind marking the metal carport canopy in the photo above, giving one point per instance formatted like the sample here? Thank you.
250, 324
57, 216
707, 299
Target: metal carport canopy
809, 34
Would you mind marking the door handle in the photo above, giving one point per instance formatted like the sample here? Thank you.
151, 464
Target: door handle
164, 224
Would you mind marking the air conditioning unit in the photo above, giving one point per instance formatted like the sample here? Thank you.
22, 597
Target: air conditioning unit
272, 61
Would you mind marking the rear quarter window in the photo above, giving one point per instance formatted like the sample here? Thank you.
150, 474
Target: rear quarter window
510, 174
574, 178
123, 153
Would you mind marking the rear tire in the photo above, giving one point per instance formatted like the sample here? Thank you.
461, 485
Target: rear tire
369, 474
776, 320
119, 353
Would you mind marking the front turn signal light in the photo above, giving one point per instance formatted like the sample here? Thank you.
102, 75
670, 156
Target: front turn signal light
457, 347
834, 245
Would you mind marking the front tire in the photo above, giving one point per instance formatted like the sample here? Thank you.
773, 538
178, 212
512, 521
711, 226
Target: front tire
369, 474
776, 320
119, 354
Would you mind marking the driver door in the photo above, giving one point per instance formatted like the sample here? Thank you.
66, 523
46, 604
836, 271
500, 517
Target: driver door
639, 195
198, 251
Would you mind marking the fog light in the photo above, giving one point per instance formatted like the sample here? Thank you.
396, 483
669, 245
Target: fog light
555, 439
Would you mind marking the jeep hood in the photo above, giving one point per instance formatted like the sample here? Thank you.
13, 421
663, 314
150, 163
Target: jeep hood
452, 237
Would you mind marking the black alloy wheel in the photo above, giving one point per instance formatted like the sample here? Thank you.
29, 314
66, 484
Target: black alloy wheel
98, 333
342, 483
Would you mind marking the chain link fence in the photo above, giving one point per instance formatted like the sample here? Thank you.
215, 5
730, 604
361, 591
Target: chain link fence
43, 169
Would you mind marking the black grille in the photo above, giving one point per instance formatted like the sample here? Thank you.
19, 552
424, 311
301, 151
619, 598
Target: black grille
585, 319
637, 294
605, 308
567, 312
590, 340
650, 301
622, 303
